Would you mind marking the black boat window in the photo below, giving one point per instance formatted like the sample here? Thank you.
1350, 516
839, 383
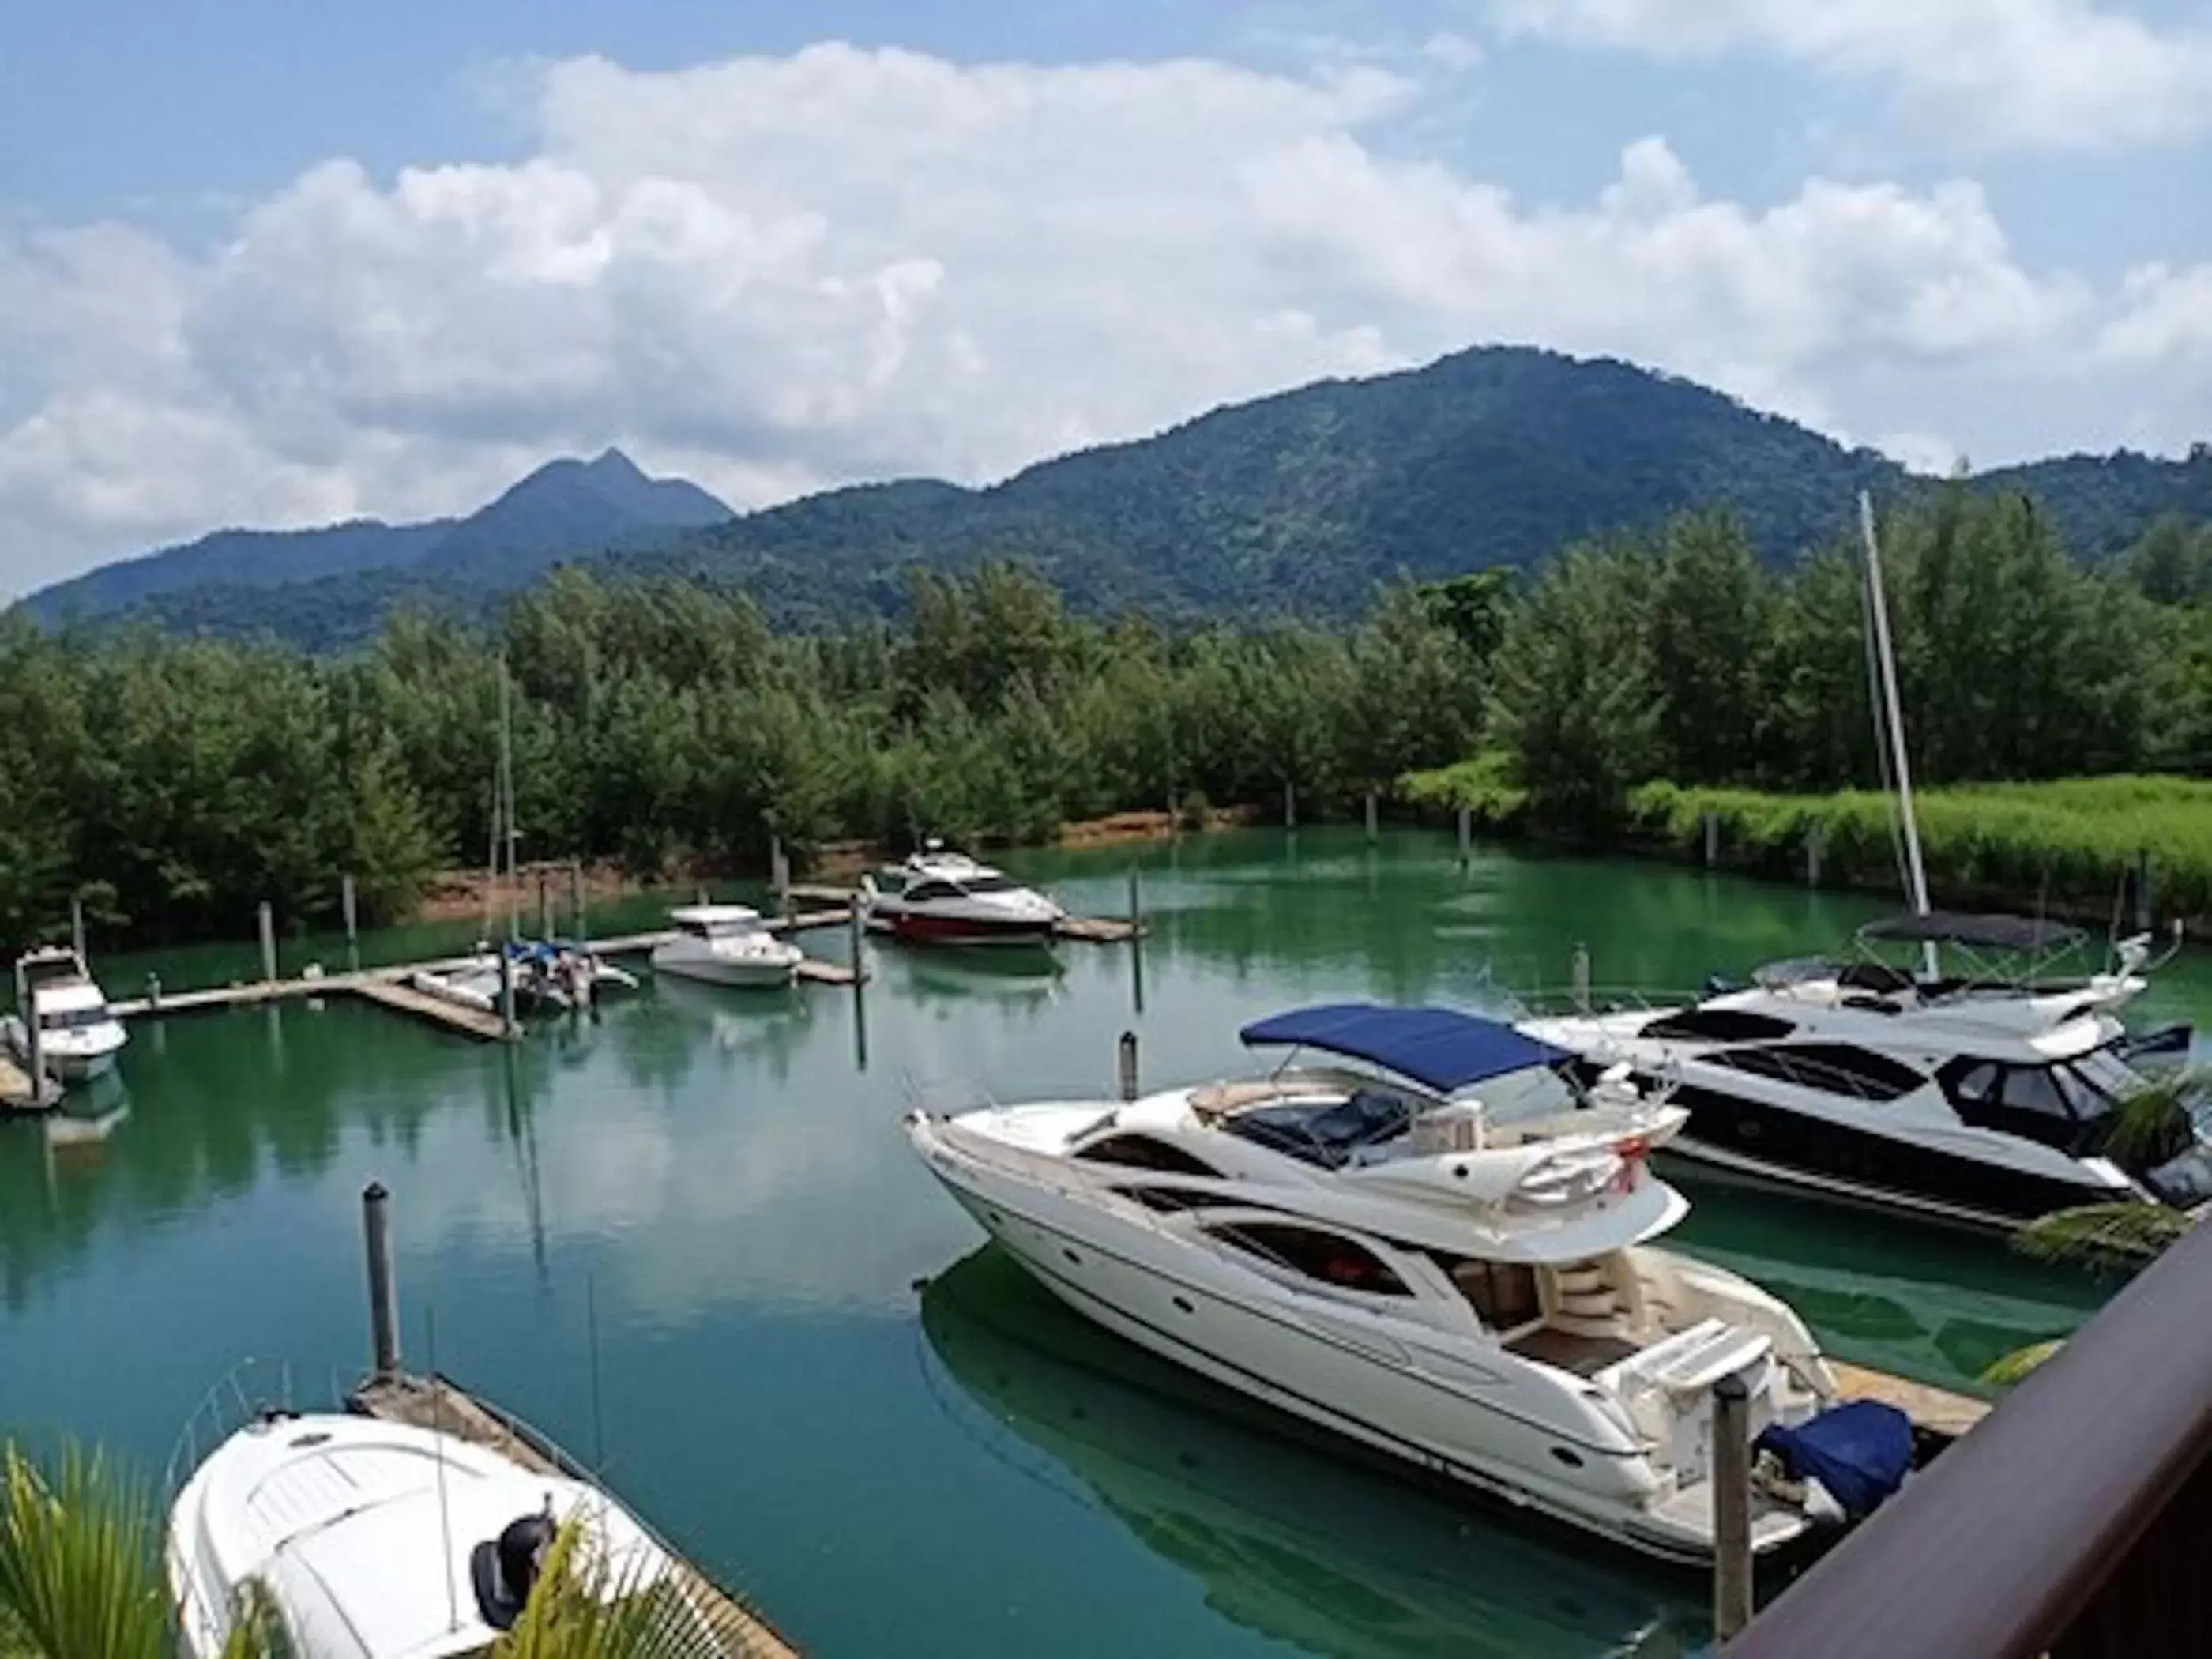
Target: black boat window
2081, 1101
1718, 1025
1836, 1068
1331, 1258
990, 883
2108, 1074
1144, 1152
1323, 1132
1976, 1084
923, 891
1170, 1199
2032, 1089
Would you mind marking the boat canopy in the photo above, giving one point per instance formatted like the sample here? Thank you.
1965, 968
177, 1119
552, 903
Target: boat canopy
1440, 1049
712, 916
1983, 933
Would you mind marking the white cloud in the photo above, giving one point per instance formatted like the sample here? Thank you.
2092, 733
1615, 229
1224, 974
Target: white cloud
2167, 317
776, 274
2035, 74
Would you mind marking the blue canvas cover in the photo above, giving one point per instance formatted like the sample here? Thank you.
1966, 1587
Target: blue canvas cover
1860, 1451
1438, 1047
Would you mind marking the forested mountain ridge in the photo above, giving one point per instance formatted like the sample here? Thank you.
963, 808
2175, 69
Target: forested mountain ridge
564, 507
1300, 503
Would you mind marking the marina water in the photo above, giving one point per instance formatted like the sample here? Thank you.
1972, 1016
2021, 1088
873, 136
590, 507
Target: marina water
808, 1370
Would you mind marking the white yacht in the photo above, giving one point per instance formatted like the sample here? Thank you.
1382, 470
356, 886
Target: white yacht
1467, 1281
79, 1035
726, 944
1990, 1097
939, 897
376, 1541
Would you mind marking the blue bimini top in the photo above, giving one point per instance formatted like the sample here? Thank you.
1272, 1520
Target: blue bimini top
1440, 1049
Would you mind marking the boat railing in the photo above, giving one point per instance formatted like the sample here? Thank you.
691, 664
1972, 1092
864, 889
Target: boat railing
240, 1396
1563, 1002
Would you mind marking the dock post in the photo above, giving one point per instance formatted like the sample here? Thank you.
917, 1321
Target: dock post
1816, 845
779, 875
350, 901
1466, 836
1371, 831
1712, 839
1581, 973
2144, 916
76, 924
1136, 903
1290, 805
1128, 1064
505, 994
852, 925
34, 1046
153, 990
268, 944
576, 897
544, 903
383, 1300
1731, 1478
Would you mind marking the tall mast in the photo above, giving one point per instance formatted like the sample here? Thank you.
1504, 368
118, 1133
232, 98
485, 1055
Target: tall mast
1916, 874
506, 801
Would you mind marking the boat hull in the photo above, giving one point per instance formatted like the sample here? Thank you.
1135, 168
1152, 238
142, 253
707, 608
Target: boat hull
921, 929
70, 1064
1443, 1412
767, 974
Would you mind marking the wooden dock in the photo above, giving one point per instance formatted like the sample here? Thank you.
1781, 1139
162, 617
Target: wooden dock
16, 1092
403, 998
1937, 1412
388, 988
439, 1404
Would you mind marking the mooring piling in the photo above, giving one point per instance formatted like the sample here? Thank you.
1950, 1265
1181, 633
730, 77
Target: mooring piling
1466, 836
268, 920
1127, 1056
1372, 830
544, 903
1580, 972
576, 897
1290, 805
507, 1025
76, 924
1712, 839
1731, 1478
348, 901
383, 1294
34, 1047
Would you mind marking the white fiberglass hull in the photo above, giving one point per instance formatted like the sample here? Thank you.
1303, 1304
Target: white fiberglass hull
78, 1059
762, 972
1423, 1399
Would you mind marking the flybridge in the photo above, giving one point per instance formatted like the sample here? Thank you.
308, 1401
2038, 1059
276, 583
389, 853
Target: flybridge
1439, 1049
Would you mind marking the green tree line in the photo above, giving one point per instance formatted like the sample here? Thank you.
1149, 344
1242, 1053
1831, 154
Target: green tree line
172, 783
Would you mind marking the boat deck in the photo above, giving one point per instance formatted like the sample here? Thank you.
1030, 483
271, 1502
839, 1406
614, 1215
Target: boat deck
1585, 1356
437, 1403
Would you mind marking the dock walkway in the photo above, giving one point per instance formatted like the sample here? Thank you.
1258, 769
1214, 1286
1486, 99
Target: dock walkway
1935, 1412
438, 1403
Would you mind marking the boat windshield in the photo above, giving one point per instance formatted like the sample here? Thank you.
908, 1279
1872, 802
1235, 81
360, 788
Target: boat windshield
1329, 1133
74, 1020
990, 881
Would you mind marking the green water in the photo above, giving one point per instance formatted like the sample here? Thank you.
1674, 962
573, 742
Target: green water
960, 1470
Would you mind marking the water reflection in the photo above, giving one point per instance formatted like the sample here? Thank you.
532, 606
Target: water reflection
1290, 1541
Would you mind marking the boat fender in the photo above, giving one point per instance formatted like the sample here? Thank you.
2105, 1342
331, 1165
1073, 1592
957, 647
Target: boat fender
522, 1546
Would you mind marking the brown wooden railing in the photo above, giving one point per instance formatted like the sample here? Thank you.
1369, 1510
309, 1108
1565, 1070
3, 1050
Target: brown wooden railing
2076, 1521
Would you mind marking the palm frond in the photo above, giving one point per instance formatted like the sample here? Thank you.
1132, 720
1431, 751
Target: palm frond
2107, 1237
80, 1569
2004, 1372
2141, 1124
585, 1607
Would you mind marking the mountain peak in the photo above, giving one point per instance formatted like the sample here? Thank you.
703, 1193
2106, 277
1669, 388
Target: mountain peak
610, 463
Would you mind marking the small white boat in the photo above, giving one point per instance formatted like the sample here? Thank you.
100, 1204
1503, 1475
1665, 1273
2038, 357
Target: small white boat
726, 944
377, 1540
1466, 1282
939, 897
79, 1036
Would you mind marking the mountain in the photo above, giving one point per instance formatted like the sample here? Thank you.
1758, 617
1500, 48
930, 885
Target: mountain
565, 508
1301, 502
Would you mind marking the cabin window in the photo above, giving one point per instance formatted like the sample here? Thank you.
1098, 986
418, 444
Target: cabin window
1330, 1258
1170, 1200
1329, 1133
1144, 1152
74, 1019
990, 883
1718, 1025
1836, 1068
925, 891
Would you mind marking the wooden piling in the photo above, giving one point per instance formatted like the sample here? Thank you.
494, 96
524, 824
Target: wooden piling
576, 897
507, 1024
778, 874
1816, 847
1712, 839
853, 943
35, 1040
1466, 836
383, 1294
1290, 805
1136, 903
544, 903
2145, 912
348, 901
268, 920
76, 925
1372, 829
1127, 1054
1731, 1477
1579, 971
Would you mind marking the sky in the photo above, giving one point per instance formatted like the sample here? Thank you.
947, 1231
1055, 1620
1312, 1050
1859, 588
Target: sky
273, 264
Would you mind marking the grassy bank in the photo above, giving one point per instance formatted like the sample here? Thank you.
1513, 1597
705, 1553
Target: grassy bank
2064, 845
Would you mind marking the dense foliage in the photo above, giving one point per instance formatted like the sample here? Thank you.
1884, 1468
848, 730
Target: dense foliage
175, 783
1298, 505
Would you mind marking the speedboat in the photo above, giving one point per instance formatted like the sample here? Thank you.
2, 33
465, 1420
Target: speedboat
940, 897
368, 1539
1991, 1096
1465, 1280
79, 1035
726, 944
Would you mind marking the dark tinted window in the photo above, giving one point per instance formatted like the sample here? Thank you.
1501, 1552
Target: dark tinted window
1718, 1025
1326, 1132
1328, 1257
990, 883
932, 890
1835, 1068
1171, 1198
1142, 1152
2032, 1089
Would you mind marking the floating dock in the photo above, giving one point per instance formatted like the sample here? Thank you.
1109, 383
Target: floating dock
442, 1406
1936, 1413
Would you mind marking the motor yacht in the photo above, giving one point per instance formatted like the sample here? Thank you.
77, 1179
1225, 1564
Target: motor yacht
79, 1035
1423, 1244
726, 944
940, 897
1990, 1095
368, 1540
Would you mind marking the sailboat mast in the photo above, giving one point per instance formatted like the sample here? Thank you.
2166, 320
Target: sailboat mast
1916, 874
507, 799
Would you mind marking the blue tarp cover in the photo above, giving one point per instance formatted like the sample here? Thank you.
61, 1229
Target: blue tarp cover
1860, 1451
1439, 1047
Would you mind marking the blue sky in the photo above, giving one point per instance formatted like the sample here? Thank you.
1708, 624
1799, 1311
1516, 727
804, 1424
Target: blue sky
277, 264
